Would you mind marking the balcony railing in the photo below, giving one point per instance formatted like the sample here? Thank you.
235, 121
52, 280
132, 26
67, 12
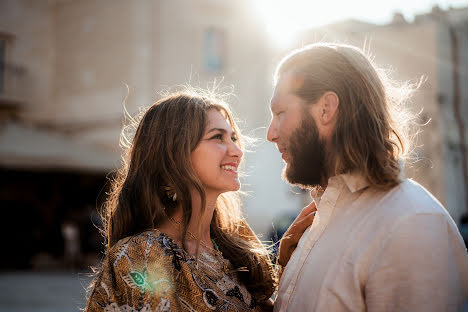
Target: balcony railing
13, 85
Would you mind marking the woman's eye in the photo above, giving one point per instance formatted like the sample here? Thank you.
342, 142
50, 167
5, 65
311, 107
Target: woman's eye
234, 139
218, 137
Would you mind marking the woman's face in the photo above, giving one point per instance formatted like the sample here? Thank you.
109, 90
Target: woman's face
217, 156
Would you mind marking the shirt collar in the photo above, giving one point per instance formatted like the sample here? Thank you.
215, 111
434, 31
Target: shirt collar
316, 194
355, 181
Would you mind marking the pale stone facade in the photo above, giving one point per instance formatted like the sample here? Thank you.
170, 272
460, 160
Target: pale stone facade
421, 52
79, 57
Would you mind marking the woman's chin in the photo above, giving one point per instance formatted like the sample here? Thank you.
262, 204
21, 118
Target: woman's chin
233, 188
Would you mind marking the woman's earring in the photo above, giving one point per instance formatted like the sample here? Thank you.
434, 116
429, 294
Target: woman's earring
170, 193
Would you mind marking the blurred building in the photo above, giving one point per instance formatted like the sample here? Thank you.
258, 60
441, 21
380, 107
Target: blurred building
64, 70
434, 48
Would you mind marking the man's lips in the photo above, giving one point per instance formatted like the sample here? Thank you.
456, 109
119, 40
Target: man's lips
283, 153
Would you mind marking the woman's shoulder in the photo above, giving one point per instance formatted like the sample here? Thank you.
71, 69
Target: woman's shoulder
148, 244
140, 267
148, 261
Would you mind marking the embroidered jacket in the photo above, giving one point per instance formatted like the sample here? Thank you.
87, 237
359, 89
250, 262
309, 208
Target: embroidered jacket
149, 272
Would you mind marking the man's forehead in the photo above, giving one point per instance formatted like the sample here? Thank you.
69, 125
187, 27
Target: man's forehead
274, 99
288, 83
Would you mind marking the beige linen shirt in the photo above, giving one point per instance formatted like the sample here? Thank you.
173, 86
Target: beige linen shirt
369, 250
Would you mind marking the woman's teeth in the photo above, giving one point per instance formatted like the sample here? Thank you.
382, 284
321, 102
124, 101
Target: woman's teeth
227, 167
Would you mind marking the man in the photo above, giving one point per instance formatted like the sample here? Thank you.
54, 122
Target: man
378, 242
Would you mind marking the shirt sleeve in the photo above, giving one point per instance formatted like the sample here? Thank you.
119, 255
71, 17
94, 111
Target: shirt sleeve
422, 266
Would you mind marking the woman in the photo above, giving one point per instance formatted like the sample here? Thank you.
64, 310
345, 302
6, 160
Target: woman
176, 238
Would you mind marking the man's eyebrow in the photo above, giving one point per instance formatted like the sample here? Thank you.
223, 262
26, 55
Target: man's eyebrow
273, 104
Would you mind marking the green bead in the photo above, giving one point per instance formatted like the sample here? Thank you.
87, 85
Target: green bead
214, 244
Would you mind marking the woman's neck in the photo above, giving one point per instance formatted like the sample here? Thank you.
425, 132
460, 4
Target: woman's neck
197, 216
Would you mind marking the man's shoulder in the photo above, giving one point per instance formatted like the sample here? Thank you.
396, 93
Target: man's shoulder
407, 206
411, 197
407, 199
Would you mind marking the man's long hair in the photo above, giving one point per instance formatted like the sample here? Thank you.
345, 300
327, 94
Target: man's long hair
371, 134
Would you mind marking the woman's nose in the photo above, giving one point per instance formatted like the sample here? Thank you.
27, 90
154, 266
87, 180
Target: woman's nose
235, 150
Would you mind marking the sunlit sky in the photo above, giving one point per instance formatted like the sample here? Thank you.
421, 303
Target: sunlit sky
283, 18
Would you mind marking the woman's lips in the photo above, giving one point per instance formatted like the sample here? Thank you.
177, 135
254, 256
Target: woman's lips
230, 167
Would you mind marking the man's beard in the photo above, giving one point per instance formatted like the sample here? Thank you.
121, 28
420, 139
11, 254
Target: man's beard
307, 165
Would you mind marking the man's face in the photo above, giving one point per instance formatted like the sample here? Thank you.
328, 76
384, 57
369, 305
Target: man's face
296, 136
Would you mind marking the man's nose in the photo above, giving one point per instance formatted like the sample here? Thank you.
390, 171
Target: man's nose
272, 133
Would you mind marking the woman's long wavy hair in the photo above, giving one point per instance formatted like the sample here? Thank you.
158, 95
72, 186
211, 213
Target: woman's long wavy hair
371, 134
160, 155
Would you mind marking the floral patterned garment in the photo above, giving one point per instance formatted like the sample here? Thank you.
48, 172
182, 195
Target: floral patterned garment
149, 273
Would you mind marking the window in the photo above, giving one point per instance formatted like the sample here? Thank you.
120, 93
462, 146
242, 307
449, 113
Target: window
3, 44
12, 76
214, 49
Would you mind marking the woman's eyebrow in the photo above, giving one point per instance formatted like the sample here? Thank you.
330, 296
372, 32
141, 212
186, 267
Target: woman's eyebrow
222, 130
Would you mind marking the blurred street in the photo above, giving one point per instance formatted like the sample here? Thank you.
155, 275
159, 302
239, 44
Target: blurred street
48, 292
43, 291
